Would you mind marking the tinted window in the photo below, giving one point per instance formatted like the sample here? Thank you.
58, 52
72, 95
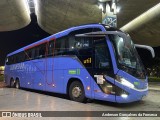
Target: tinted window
39, 51
51, 46
7, 61
11, 59
60, 46
80, 42
85, 55
29, 54
42, 50
72, 43
20, 57
102, 56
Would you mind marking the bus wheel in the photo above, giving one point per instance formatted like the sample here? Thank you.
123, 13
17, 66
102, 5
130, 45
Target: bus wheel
12, 84
17, 84
76, 92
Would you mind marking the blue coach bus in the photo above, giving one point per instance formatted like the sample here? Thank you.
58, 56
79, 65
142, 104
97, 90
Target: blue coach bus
90, 61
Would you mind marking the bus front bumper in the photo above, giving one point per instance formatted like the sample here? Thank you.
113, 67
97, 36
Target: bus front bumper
132, 96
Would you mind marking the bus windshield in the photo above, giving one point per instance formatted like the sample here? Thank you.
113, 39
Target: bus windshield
127, 56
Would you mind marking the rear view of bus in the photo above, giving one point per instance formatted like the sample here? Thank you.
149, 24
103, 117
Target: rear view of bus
89, 61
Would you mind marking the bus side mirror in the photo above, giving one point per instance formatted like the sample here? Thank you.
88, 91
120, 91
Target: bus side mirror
149, 48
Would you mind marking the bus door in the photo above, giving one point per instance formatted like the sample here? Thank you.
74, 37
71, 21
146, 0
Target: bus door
39, 63
49, 66
27, 76
102, 70
55, 65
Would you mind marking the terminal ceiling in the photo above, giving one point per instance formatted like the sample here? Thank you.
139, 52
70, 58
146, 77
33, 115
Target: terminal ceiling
57, 15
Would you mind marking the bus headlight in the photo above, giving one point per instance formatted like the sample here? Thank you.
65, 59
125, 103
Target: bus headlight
124, 95
124, 82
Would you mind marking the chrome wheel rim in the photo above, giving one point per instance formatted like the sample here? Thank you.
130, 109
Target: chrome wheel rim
17, 85
76, 92
12, 83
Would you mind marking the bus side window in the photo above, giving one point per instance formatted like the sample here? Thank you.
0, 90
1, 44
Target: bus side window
51, 48
21, 56
7, 61
17, 57
39, 51
33, 53
80, 42
71, 42
36, 55
28, 54
57, 46
60, 47
12, 59
83, 42
102, 55
42, 51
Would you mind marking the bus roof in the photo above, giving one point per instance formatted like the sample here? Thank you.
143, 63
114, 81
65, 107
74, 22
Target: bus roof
55, 36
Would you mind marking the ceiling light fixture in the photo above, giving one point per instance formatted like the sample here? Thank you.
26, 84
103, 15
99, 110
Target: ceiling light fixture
30, 5
118, 9
100, 6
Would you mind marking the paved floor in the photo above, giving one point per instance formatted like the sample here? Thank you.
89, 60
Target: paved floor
25, 100
154, 86
2, 84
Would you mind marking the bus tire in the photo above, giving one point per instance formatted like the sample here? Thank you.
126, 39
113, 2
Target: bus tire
17, 84
12, 84
76, 92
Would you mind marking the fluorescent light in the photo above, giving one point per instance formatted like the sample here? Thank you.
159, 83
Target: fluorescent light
35, 6
35, 2
118, 9
27, 6
100, 7
113, 5
30, 4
